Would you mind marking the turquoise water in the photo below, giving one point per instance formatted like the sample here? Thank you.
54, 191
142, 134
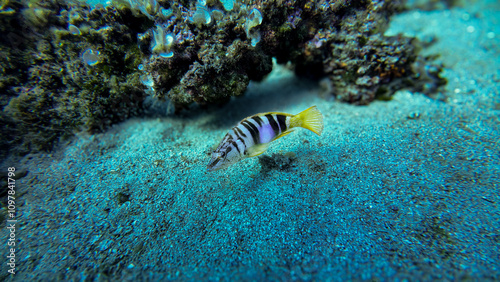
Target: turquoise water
405, 189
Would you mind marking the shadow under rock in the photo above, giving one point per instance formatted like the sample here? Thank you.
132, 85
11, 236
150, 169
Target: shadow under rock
270, 95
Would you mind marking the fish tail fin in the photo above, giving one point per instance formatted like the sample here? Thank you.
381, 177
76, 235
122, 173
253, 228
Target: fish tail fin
311, 119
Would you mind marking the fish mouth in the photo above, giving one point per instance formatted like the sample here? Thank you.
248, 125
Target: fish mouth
212, 166
216, 164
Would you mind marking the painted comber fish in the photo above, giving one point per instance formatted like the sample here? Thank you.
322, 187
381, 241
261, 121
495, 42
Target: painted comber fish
252, 136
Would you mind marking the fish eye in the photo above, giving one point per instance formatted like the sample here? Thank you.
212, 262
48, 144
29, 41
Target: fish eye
223, 154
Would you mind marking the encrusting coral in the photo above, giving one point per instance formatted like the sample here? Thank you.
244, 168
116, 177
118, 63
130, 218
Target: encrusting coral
70, 67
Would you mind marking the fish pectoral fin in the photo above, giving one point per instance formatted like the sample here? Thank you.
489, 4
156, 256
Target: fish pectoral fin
283, 134
258, 149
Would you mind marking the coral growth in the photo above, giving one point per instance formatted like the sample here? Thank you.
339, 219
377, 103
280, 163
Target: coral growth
340, 40
80, 72
69, 67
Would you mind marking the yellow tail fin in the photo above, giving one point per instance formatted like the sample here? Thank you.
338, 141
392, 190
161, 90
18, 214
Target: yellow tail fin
311, 119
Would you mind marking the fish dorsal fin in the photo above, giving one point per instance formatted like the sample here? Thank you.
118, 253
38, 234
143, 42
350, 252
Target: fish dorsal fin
258, 149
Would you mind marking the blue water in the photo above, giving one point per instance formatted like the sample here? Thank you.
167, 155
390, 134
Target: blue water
406, 189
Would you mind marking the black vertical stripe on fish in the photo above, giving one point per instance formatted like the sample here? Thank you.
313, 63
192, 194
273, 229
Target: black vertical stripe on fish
222, 143
239, 132
237, 138
234, 145
229, 149
282, 122
273, 124
253, 130
258, 120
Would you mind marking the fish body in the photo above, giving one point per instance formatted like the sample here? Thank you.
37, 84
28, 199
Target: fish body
252, 136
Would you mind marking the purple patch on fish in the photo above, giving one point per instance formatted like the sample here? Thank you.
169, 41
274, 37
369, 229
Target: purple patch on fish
266, 133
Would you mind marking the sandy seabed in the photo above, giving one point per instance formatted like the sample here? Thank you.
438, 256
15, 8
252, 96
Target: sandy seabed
403, 189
